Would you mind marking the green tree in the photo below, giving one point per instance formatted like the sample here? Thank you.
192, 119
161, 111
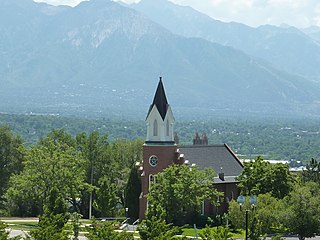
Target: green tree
4, 235
107, 168
178, 192
76, 224
12, 154
52, 223
157, 229
51, 227
312, 172
106, 231
132, 193
259, 177
92, 148
216, 233
266, 217
269, 213
303, 211
106, 200
124, 154
52, 166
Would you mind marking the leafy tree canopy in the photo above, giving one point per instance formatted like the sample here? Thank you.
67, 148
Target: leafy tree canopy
105, 231
303, 210
51, 227
4, 235
259, 177
157, 229
12, 154
265, 217
216, 233
312, 172
178, 192
51, 166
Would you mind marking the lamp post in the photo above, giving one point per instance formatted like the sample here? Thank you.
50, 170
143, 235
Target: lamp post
252, 200
127, 212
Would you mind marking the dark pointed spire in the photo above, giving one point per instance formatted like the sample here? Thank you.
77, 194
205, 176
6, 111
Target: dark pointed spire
160, 100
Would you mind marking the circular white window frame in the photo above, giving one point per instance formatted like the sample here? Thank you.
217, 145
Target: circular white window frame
153, 160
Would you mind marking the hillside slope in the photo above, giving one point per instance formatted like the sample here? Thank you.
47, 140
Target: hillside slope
103, 58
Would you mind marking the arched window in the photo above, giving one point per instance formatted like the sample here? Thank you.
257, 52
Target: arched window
155, 128
152, 179
202, 208
168, 127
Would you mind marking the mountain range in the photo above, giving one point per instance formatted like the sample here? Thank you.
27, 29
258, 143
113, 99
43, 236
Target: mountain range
288, 48
105, 58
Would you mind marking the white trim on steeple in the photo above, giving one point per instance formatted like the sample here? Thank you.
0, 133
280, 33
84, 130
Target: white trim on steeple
163, 129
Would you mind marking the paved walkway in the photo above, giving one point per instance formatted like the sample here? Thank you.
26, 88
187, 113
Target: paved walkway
295, 238
16, 232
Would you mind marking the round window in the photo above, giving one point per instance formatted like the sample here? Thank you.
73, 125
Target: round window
153, 160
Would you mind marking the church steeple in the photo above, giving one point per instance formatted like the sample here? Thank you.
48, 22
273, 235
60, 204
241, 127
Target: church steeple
160, 100
159, 150
160, 118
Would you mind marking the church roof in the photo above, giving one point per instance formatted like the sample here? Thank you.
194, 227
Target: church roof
220, 157
160, 101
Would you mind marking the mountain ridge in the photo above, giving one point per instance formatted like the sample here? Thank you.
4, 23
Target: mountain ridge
102, 57
288, 48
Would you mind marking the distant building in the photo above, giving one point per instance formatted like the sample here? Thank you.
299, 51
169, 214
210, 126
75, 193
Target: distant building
197, 140
160, 150
298, 166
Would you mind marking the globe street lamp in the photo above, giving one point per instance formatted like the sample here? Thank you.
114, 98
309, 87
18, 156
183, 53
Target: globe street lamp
252, 200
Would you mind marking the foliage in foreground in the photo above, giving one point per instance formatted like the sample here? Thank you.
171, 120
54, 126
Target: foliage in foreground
312, 172
52, 165
178, 192
106, 231
285, 203
259, 177
267, 216
157, 229
216, 233
75, 166
303, 216
51, 227
4, 235
75, 223
297, 213
12, 154
52, 223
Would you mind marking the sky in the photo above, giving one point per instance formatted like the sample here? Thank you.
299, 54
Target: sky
298, 13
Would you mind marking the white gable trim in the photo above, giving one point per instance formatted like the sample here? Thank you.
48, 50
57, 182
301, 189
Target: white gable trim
161, 135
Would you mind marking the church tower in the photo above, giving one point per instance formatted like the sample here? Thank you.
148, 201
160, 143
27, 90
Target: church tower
159, 149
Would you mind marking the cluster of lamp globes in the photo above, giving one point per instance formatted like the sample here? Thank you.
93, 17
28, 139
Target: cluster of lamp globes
252, 200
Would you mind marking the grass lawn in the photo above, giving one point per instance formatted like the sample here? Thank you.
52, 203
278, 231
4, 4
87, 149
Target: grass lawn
23, 225
190, 232
29, 225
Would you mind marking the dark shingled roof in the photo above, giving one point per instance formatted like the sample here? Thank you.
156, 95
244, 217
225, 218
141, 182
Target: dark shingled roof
219, 157
160, 100
227, 179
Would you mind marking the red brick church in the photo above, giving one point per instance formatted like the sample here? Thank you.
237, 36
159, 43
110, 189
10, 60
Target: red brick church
160, 150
